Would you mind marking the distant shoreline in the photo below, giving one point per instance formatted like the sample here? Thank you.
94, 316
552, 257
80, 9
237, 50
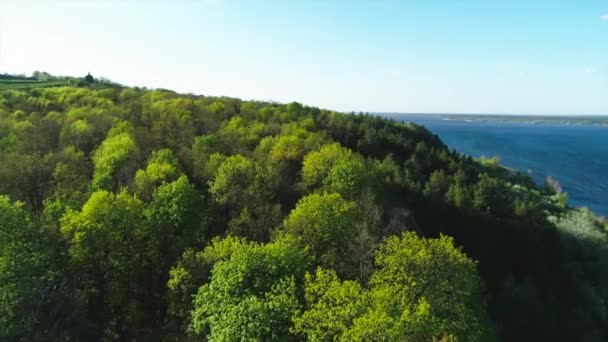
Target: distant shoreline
595, 120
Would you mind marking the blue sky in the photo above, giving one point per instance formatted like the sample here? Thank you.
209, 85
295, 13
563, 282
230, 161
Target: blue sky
499, 56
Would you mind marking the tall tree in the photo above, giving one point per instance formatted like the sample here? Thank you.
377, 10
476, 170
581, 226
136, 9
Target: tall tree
252, 295
325, 222
114, 158
105, 247
34, 294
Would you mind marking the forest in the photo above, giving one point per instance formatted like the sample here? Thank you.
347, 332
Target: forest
130, 214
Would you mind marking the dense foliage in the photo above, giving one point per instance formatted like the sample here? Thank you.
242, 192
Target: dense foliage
134, 214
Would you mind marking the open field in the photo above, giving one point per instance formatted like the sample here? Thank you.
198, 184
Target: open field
6, 84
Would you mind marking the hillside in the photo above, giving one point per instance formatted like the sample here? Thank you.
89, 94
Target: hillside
136, 214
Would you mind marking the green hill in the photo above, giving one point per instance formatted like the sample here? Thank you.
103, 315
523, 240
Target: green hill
136, 214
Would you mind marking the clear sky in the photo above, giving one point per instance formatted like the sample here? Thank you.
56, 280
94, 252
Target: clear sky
475, 56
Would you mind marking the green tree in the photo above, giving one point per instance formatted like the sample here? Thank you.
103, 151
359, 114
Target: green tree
241, 136
105, 249
492, 196
34, 297
80, 134
318, 164
173, 224
191, 272
27, 177
438, 185
325, 222
233, 181
251, 296
422, 290
288, 147
202, 149
171, 121
88, 78
365, 240
332, 305
71, 177
174, 217
434, 287
459, 195
162, 167
247, 191
114, 158
347, 177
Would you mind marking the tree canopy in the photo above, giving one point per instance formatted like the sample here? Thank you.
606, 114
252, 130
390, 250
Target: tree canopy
137, 214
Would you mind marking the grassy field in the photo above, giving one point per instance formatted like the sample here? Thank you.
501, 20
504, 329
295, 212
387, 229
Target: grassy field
6, 84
